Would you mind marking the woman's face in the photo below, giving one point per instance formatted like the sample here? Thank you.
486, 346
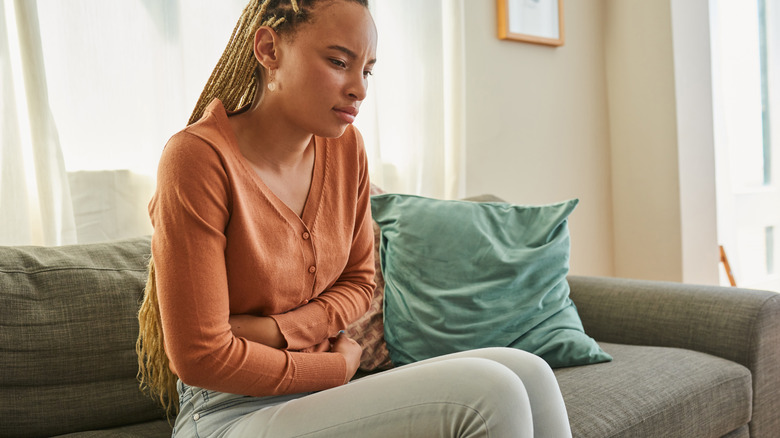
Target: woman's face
322, 74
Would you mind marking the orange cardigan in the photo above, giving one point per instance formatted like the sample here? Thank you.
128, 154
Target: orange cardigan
224, 244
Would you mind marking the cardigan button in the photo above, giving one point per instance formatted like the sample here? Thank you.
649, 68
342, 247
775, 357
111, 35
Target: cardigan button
305, 235
196, 417
312, 269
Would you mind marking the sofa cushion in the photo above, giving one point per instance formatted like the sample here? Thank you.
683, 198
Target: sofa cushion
67, 338
462, 275
656, 392
152, 429
369, 330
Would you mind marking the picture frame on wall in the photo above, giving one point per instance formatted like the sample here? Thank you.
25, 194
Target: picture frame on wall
531, 21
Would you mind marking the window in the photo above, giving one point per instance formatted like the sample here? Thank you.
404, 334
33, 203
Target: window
745, 67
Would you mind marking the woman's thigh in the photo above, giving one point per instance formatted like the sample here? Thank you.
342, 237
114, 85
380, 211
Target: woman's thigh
204, 413
450, 397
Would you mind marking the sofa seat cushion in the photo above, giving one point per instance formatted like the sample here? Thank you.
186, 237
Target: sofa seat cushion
152, 429
656, 392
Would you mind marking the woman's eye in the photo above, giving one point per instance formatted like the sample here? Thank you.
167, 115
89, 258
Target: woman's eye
368, 73
339, 63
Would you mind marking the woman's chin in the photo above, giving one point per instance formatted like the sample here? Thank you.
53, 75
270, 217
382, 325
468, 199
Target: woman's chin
333, 132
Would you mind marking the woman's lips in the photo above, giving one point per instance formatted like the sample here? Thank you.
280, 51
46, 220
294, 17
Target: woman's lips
346, 113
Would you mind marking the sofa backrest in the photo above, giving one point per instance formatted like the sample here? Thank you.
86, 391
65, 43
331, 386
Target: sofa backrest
67, 338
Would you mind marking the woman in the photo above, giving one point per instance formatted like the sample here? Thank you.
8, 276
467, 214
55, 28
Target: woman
262, 253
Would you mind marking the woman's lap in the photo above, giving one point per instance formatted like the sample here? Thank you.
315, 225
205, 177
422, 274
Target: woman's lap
459, 395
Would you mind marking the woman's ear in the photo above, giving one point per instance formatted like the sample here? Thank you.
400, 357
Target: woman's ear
266, 47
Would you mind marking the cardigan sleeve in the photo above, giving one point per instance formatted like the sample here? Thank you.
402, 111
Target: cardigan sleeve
189, 212
350, 296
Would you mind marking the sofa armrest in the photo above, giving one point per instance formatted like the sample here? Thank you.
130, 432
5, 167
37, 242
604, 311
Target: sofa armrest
741, 325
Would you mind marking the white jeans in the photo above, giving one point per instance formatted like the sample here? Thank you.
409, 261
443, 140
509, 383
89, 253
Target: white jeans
492, 392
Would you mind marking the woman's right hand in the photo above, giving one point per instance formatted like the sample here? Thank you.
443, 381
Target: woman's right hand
351, 351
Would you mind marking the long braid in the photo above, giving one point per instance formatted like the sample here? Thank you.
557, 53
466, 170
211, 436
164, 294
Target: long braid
233, 81
154, 373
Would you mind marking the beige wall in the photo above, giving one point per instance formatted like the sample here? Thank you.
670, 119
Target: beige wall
537, 126
643, 139
619, 117
661, 138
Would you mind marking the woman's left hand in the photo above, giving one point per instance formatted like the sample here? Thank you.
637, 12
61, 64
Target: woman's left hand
351, 351
260, 329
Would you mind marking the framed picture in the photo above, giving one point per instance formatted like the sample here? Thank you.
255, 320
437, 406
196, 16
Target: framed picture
531, 21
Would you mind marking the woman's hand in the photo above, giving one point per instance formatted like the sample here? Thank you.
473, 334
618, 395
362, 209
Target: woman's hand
260, 329
351, 351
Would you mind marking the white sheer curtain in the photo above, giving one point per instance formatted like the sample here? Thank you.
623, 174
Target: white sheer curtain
413, 120
35, 204
119, 77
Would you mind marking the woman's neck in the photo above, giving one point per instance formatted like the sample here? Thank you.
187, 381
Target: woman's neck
267, 140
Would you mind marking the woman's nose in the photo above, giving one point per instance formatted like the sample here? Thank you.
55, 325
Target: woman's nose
358, 87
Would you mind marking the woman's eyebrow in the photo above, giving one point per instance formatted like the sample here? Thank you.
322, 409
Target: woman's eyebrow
349, 53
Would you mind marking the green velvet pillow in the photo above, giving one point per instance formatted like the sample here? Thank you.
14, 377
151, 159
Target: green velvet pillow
462, 275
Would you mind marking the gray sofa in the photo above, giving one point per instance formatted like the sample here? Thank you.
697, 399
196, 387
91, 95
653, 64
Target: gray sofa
689, 361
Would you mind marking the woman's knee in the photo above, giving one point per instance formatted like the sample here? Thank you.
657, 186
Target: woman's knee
494, 395
547, 404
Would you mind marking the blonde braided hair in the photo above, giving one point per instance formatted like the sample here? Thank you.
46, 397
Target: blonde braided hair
235, 81
232, 80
